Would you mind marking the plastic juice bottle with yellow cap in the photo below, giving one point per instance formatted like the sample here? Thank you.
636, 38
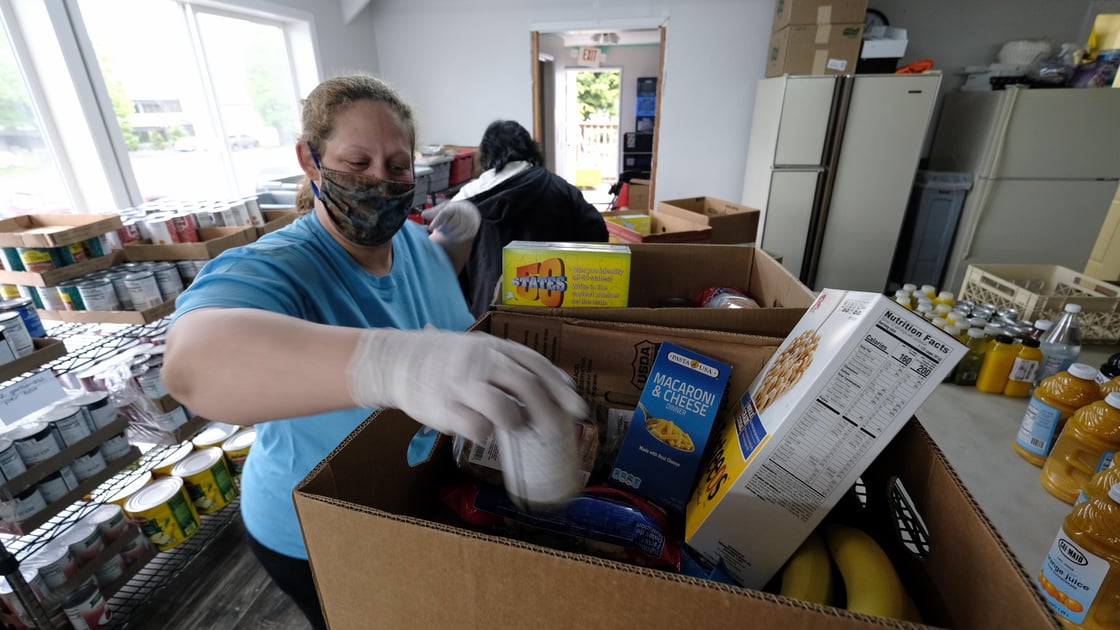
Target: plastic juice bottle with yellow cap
1091, 435
1053, 402
1021, 379
945, 297
1111, 385
1080, 576
997, 364
929, 291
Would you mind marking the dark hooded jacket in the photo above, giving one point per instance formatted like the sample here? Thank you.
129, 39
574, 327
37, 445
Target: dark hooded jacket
536, 205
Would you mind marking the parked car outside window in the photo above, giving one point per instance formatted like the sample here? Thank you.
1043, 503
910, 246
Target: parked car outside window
242, 141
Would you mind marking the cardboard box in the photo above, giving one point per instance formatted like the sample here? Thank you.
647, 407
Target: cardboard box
847, 378
113, 317
60, 275
731, 222
823, 49
813, 12
590, 275
664, 228
46, 350
639, 195
55, 230
638, 222
276, 219
663, 271
669, 429
346, 522
214, 241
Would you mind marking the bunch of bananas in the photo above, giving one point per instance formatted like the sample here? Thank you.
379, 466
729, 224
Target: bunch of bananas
870, 582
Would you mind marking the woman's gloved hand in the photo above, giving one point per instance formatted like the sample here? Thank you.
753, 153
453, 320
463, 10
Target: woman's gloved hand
464, 383
456, 221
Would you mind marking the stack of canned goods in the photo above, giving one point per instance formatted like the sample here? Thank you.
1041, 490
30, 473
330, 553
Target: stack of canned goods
44, 259
131, 286
167, 221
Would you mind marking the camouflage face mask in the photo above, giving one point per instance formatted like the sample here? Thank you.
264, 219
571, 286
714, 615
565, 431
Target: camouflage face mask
367, 210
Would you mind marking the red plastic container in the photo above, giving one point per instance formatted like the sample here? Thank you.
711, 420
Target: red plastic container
461, 167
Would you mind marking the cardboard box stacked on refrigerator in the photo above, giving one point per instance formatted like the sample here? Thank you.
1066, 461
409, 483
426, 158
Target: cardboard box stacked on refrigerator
815, 37
386, 551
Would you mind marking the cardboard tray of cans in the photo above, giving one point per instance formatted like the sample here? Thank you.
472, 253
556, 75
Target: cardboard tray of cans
55, 230
276, 219
46, 349
145, 316
215, 240
62, 274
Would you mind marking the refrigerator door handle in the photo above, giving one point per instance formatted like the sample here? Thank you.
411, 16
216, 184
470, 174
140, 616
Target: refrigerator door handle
841, 97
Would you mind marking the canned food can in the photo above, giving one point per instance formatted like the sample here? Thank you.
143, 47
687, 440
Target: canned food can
30, 294
109, 572
55, 562
174, 456
95, 246
68, 422
25, 306
208, 480
35, 441
89, 464
118, 489
237, 448
256, 217
168, 280
16, 333
204, 218
71, 298
129, 231
7, 349
185, 228
160, 229
117, 278
55, 485
150, 382
72, 254
26, 504
39, 259
11, 259
86, 607
50, 298
11, 601
11, 464
9, 291
214, 435
110, 521
84, 541
99, 295
115, 447
188, 269
143, 290
100, 412
137, 549
164, 512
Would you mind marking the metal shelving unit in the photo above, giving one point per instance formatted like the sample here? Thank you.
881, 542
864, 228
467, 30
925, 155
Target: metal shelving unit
87, 345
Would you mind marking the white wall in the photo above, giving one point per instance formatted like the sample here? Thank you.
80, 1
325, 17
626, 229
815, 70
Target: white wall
464, 64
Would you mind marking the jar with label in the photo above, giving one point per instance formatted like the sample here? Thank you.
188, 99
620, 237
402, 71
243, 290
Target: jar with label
1091, 435
1021, 379
1080, 576
1053, 402
996, 367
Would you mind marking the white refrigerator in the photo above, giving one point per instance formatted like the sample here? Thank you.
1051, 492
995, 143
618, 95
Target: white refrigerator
830, 165
1045, 165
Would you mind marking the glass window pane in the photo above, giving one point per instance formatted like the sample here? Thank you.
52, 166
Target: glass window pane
30, 181
255, 96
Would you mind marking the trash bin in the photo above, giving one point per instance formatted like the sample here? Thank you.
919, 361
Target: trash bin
928, 227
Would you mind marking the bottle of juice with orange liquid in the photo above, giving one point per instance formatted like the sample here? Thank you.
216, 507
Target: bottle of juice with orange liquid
1080, 576
1021, 378
1052, 403
1091, 435
997, 364
1099, 484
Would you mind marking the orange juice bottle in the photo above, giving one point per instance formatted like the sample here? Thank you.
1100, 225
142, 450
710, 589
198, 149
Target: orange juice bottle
1091, 435
1111, 385
1101, 482
1080, 576
997, 364
1020, 380
1053, 402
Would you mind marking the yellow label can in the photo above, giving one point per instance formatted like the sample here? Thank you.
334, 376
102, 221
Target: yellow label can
207, 478
164, 513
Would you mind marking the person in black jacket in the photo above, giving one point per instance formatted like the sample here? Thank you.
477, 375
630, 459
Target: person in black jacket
519, 199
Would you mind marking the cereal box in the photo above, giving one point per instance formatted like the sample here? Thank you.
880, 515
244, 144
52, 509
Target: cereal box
842, 384
565, 274
661, 451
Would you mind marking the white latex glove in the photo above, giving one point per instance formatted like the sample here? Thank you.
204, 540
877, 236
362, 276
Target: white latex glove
474, 384
456, 221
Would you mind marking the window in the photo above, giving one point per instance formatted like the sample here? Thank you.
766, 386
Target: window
30, 181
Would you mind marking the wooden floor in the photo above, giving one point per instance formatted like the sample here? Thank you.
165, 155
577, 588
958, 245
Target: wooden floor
224, 587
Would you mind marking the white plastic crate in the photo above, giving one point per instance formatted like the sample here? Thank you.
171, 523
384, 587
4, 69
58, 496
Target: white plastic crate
1042, 291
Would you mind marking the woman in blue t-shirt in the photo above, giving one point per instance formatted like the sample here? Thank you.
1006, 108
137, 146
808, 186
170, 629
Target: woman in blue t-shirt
350, 308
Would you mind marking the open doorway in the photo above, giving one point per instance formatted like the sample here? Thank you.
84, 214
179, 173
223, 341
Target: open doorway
577, 120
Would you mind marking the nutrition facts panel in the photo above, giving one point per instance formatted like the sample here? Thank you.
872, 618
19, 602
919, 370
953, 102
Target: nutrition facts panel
857, 404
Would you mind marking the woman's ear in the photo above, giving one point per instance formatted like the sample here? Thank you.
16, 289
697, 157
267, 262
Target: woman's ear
306, 163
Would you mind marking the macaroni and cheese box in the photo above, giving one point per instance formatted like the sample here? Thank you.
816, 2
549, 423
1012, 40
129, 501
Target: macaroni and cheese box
661, 451
640, 223
843, 383
565, 274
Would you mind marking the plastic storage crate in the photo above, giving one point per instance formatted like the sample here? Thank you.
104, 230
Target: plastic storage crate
461, 167
1042, 291
441, 172
423, 177
927, 231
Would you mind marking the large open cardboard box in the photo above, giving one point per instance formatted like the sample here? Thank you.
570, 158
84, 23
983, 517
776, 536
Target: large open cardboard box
731, 222
682, 270
55, 230
380, 551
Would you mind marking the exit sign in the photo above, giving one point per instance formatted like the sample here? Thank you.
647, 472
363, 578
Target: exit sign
589, 56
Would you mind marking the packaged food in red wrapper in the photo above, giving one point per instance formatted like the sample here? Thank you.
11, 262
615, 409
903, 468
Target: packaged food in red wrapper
723, 297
